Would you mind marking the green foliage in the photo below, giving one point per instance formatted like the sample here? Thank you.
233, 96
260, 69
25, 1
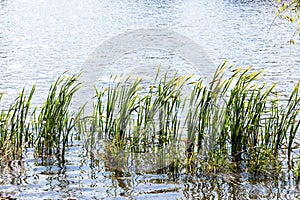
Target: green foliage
14, 127
124, 114
233, 123
47, 131
54, 123
290, 11
234, 120
205, 113
296, 170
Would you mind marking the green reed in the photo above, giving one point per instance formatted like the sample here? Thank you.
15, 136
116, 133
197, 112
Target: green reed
47, 129
54, 122
296, 171
14, 128
124, 113
234, 121
205, 113
170, 103
255, 128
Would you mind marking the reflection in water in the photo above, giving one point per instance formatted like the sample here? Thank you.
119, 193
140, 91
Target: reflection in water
41, 39
86, 176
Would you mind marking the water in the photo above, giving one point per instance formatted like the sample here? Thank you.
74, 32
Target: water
41, 39
84, 177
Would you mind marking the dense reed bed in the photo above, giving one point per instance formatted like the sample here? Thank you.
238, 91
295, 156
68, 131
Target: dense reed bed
234, 123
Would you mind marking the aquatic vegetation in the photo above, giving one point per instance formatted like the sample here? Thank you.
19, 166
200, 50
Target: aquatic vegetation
124, 113
54, 123
234, 123
47, 129
15, 132
296, 170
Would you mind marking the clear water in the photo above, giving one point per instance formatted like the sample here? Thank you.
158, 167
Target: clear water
40, 39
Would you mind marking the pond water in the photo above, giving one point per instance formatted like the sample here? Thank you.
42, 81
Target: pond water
41, 39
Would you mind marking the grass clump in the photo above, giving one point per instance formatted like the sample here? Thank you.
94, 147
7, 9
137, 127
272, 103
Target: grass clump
46, 129
15, 128
129, 118
54, 123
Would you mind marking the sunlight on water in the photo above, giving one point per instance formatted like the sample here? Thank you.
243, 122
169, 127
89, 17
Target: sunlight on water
41, 39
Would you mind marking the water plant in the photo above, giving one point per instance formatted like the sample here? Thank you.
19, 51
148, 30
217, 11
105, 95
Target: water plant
46, 129
234, 119
14, 127
54, 123
296, 170
205, 113
233, 123
124, 113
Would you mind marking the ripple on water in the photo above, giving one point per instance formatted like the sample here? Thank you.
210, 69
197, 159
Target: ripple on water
39, 40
